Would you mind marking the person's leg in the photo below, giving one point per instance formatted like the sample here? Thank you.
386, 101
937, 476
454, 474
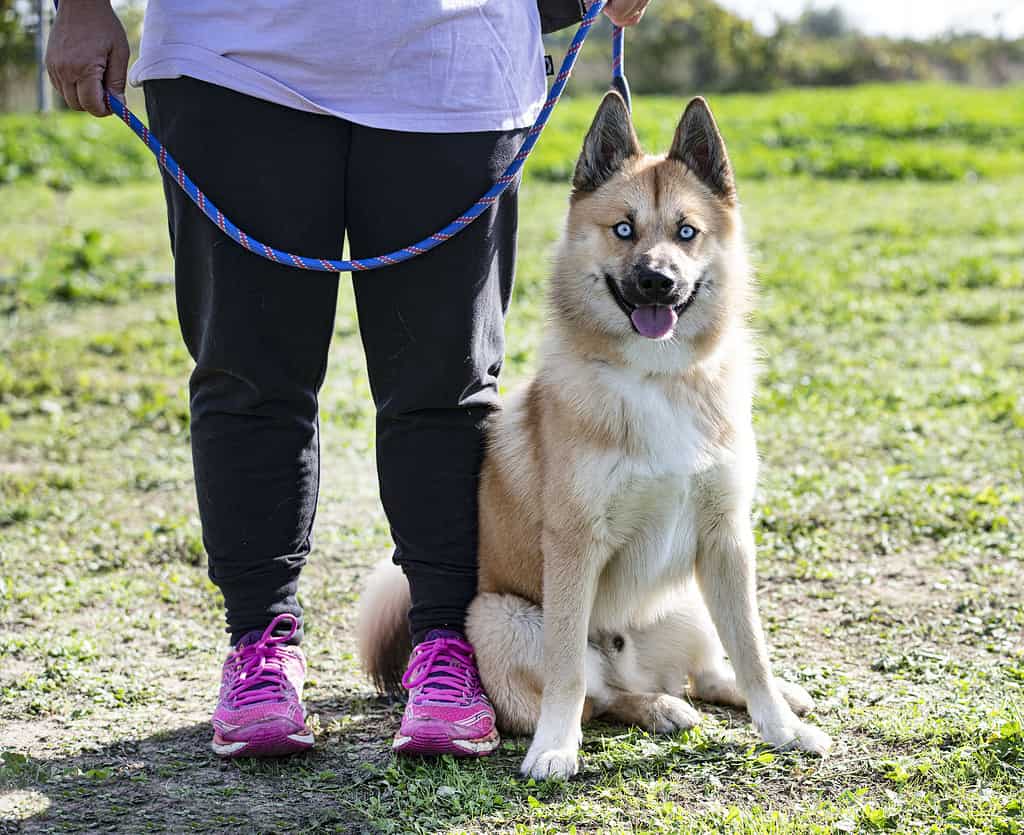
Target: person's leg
258, 331
433, 332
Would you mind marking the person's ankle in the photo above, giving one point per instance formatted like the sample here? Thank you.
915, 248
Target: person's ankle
432, 633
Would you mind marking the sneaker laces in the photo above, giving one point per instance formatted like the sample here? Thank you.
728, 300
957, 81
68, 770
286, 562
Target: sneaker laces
445, 670
257, 667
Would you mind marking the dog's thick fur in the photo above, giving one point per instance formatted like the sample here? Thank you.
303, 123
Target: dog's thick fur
616, 550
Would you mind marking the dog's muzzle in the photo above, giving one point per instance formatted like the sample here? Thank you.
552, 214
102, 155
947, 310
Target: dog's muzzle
653, 301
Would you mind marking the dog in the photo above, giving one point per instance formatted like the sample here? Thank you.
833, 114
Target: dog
617, 557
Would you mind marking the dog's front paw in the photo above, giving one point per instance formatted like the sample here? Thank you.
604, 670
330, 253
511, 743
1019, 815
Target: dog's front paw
669, 714
789, 734
798, 698
556, 764
811, 739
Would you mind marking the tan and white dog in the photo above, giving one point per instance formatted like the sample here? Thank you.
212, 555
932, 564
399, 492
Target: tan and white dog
616, 551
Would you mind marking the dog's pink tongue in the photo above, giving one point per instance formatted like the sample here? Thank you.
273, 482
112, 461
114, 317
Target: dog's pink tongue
655, 321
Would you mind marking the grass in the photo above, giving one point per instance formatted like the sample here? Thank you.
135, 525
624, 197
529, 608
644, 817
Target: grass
908, 131
900, 131
890, 516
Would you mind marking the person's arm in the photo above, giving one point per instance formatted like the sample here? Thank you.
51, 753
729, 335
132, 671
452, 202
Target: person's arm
87, 52
625, 12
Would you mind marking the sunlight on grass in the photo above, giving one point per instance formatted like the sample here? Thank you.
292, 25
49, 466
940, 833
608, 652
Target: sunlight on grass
887, 227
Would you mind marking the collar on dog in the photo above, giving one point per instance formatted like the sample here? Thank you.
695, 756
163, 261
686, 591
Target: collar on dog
185, 183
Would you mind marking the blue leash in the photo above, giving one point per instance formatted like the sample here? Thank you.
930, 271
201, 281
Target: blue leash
619, 81
185, 183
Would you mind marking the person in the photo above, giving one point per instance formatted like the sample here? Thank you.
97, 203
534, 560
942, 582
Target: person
307, 120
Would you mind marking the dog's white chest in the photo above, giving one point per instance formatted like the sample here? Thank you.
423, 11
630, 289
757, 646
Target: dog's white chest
662, 442
643, 497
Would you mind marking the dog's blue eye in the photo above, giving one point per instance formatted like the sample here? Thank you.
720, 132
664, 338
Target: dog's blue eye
687, 232
623, 230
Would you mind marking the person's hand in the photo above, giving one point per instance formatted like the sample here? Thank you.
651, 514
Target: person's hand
625, 12
88, 50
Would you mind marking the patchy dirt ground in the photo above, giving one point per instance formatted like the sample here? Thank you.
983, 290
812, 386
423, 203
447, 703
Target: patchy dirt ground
889, 523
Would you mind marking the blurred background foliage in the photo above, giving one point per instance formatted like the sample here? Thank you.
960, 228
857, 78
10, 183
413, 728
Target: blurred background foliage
682, 45
909, 131
964, 118
699, 45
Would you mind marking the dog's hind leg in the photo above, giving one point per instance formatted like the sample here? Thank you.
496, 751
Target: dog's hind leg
717, 685
655, 712
684, 644
507, 633
647, 669
711, 678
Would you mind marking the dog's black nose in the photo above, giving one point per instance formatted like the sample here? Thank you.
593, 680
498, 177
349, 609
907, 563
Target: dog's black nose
654, 285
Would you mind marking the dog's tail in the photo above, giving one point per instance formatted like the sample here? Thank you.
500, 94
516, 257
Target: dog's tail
382, 629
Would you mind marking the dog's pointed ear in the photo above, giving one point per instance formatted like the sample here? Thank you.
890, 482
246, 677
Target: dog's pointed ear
699, 146
610, 141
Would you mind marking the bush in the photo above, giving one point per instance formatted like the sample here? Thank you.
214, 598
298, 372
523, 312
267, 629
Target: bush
698, 45
64, 148
79, 266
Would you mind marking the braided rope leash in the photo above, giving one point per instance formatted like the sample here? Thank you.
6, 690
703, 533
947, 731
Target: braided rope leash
618, 68
185, 183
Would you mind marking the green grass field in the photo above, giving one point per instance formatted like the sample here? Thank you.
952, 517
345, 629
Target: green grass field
888, 229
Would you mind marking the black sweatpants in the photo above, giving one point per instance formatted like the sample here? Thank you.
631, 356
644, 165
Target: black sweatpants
432, 329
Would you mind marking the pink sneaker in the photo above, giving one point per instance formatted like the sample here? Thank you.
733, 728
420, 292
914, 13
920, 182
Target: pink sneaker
447, 712
260, 713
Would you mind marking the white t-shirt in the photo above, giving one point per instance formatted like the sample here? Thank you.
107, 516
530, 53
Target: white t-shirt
413, 65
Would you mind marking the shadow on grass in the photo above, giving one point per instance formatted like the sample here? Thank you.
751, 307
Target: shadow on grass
172, 781
350, 782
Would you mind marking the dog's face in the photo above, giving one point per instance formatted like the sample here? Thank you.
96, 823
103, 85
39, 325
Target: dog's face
652, 259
